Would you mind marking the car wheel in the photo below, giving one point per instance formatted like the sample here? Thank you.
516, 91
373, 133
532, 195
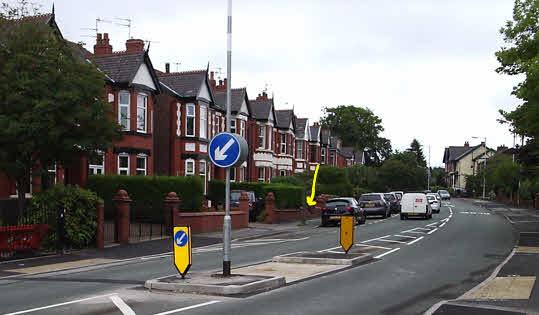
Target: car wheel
402, 216
324, 221
364, 219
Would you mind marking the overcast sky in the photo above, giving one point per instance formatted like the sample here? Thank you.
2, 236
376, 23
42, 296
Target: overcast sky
425, 67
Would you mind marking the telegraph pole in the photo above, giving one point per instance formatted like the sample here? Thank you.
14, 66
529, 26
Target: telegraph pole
227, 220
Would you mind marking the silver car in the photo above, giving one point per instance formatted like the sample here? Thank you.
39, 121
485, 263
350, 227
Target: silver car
434, 203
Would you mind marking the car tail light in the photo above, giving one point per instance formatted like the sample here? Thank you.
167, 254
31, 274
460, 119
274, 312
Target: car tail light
251, 204
324, 209
349, 208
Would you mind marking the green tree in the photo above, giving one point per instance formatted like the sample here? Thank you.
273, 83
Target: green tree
52, 107
402, 172
521, 57
358, 127
415, 147
502, 173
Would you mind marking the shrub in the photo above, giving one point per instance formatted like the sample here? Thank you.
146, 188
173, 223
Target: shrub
286, 196
288, 180
80, 216
528, 189
146, 189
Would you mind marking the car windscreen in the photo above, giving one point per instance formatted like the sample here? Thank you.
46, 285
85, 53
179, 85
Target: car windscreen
389, 196
337, 203
369, 197
443, 192
430, 197
235, 196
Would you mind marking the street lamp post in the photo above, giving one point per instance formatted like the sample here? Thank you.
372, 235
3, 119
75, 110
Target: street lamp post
485, 164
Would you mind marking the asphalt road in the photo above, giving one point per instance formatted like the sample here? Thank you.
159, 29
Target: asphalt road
419, 263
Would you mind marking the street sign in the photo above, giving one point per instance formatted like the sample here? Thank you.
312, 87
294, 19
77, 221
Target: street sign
182, 249
228, 150
347, 232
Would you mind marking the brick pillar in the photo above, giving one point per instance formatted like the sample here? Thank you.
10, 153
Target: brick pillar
270, 208
537, 201
123, 205
100, 237
244, 207
171, 211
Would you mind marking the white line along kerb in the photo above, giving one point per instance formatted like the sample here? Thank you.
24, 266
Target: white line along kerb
124, 308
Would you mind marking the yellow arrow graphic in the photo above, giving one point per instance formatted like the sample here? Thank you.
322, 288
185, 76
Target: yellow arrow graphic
310, 198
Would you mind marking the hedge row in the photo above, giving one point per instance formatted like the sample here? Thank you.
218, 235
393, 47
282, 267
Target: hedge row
286, 196
148, 192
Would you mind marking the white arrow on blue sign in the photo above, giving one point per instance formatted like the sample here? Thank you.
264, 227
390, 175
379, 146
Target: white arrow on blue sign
228, 149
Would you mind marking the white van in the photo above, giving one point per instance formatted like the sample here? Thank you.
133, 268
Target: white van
415, 205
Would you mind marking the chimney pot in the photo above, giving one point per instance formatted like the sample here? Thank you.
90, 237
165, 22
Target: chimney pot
167, 67
211, 75
134, 45
102, 46
99, 36
224, 82
106, 35
220, 82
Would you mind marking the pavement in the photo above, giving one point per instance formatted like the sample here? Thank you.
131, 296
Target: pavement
115, 253
513, 287
416, 264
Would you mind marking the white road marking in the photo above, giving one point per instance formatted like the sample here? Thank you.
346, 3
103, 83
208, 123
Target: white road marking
365, 245
416, 240
387, 253
413, 237
434, 223
372, 239
187, 308
442, 225
328, 249
124, 308
390, 241
60, 304
433, 231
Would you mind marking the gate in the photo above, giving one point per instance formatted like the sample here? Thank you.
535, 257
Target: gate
147, 220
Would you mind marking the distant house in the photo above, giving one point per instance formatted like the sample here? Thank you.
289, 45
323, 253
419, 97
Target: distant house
285, 142
464, 160
262, 150
302, 145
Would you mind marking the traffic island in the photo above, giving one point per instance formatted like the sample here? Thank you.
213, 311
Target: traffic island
328, 258
216, 284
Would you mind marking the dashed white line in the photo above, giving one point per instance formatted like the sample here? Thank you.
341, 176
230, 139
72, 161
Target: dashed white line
387, 253
397, 235
442, 225
416, 240
187, 308
124, 308
433, 231
365, 245
373, 239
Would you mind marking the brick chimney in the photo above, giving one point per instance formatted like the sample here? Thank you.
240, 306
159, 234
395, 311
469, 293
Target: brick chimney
134, 45
167, 67
102, 46
221, 86
262, 97
316, 124
466, 144
212, 80
501, 148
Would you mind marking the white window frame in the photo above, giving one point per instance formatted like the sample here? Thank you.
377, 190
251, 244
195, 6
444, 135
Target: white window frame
94, 167
142, 107
282, 173
283, 144
53, 171
233, 124
120, 169
242, 128
145, 169
128, 106
261, 179
232, 174
203, 174
189, 161
242, 174
270, 144
189, 117
262, 135
299, 149
203, 133
323, 155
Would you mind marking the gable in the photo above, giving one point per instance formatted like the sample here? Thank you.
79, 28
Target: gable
244, 108
143, 77
291, 127
204, 92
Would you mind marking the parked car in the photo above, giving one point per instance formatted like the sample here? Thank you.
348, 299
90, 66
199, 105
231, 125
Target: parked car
337, 207
444, 194
253, 203
394, 202
435, 204
398, 194
415, 205
461, 192
375, 204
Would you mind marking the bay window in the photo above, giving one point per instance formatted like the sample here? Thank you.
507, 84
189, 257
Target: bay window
203, 122
190, 120
123, 164
97, 164
262, 136
299, 150
283, 143
189, 167
142, 109
242, 128
123, 110
141, 165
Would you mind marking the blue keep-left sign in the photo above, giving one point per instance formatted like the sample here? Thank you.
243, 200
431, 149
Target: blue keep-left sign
181, 238
228, 149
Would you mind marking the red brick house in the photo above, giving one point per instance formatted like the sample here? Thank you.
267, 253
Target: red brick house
285, 142
336, 155
188, 118
262, 139
325, 157
240, 123
302, 151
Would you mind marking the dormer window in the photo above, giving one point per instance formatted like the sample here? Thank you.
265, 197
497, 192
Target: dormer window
283, 143
262, 136
142, 110
123, 110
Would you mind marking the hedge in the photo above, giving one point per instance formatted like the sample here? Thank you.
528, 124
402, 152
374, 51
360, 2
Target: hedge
286, 196
148, 190
80, 216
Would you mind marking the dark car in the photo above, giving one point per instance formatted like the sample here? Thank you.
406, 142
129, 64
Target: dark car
337, 207
253, 202
394, 202
444, 194
375, 204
